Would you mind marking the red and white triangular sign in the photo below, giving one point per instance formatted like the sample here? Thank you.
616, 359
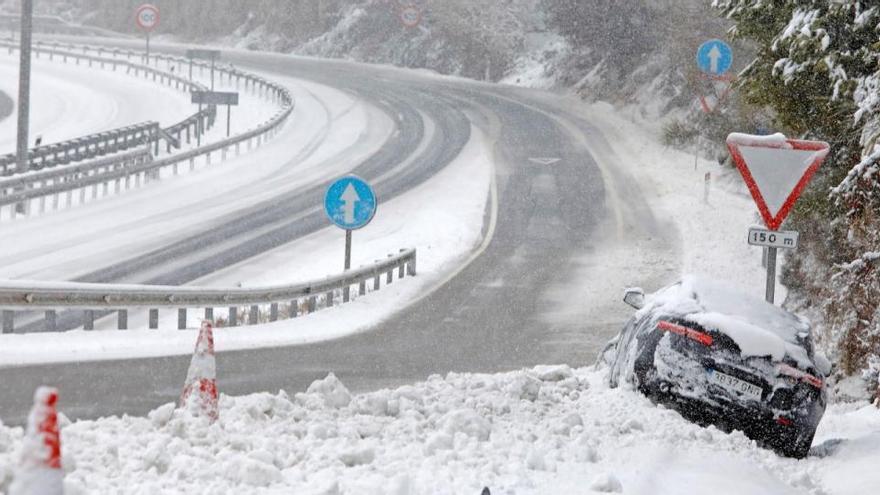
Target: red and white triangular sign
776, 170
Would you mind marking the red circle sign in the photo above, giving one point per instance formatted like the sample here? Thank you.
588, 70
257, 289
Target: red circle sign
410, 16
147, 17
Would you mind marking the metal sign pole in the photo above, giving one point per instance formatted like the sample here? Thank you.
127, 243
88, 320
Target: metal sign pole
347, 250
24, 85
212, 73
228, 120
148, 49
771, 274
24, 93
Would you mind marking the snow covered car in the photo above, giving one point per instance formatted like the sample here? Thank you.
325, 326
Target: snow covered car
722, 358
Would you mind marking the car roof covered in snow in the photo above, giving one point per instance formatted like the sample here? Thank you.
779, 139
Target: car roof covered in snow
757, 327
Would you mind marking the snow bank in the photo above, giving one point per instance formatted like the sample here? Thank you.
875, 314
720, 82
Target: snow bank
453, 435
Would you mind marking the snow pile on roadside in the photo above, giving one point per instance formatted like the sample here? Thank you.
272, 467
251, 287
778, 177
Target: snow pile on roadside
546, 430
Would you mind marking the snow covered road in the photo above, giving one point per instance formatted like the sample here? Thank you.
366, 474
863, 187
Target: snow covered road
549, 211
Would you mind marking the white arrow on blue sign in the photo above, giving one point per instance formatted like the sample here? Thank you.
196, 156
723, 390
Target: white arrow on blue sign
350, 203
714, 57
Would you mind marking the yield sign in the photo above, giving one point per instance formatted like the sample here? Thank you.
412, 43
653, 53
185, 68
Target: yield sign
776, 170
714, 90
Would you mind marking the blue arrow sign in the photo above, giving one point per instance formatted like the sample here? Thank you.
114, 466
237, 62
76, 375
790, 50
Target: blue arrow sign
714, 57
350, 203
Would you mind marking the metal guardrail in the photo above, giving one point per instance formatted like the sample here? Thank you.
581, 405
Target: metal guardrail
100, 173
99, 300
84, 148
117, 140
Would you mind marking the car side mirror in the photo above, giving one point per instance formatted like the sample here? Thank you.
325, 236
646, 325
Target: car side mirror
635, 297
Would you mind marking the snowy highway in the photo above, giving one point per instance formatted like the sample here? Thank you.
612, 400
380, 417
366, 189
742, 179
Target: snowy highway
549, 206
441, 247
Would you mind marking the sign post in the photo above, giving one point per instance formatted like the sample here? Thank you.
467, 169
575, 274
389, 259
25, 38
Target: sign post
147, 18
212, 55
229, 99
24, 94
350, 204
714, 59
776, 171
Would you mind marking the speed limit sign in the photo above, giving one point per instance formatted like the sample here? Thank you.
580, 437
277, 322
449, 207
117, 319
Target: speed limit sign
410, 16
147, 17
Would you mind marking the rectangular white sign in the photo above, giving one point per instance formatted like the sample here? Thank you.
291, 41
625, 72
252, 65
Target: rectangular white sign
770, 238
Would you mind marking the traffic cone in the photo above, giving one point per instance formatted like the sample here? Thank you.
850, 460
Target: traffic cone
39, 470
200, 389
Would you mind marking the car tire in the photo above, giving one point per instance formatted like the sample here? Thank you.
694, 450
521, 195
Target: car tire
797, 445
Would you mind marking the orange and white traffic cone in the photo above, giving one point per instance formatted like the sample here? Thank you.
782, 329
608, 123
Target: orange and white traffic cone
200, 389
39, 470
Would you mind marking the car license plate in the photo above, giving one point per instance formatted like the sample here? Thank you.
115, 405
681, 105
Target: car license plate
735, 385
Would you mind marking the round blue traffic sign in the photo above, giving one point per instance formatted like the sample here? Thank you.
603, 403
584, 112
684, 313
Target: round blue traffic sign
714, 57
350, 203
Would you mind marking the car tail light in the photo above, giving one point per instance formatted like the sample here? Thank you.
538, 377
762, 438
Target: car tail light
695, 335
799, 375
783, 421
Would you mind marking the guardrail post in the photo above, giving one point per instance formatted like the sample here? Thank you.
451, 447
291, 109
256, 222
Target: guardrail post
313, 304
376, 281
402, 266
8, 321
181, 319
273, 310
346, 294
233, 317
88, 320
362, 288
122, 319
252, 320
154, 319
209, 314
293, 312
51, 321
329, 299
411, 266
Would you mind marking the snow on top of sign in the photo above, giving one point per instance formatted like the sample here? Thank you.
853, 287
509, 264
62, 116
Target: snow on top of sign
777, 140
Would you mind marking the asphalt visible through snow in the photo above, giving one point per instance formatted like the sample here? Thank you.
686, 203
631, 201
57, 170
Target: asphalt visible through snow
488, 317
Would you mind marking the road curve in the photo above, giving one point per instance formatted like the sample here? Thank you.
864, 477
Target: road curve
490, 316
